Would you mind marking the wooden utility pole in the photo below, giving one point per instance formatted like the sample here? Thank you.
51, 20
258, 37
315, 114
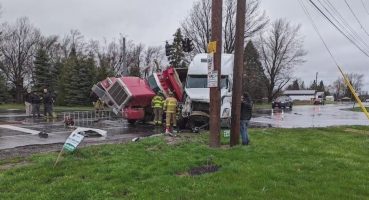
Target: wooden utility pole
238, 72
216, 36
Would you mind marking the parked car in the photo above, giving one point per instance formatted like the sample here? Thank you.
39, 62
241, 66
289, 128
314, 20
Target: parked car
366, 100
282, 102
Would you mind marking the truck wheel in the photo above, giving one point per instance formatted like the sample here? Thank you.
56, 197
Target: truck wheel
131, 121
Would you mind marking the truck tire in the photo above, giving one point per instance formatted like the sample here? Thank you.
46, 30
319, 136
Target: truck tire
132, 121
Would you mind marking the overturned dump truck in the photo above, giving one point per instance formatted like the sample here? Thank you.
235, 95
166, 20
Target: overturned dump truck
131, 97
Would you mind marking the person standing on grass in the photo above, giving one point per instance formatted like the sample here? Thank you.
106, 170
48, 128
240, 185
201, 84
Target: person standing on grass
246, 114
28, 102
48, 103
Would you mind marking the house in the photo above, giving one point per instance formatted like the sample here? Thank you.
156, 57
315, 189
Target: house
300, 95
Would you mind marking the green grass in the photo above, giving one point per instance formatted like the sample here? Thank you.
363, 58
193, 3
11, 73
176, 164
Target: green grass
323, 163
56, 108
358, 109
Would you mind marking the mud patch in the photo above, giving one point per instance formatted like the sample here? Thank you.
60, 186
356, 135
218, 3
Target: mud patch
205, 169
14, 165
356, 131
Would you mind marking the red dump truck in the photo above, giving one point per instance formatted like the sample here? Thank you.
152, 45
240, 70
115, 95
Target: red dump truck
131, 96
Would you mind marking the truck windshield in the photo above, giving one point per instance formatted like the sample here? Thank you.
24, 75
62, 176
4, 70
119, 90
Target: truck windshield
201, 81
152, 82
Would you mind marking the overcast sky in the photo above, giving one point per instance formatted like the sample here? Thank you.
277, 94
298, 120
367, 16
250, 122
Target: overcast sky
151, 22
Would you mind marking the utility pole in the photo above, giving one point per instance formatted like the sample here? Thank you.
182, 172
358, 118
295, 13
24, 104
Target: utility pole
216, 36
316, 82
238, 72
125, 68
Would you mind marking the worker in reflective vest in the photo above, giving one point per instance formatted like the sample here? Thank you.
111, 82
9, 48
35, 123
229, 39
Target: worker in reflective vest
157, 106
170, 107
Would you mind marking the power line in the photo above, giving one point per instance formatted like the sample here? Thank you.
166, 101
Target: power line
365, 8
357, 19
351, 32
351, 40
317, 30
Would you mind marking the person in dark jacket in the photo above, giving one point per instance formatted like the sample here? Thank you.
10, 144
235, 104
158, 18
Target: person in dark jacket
36, 101
246, 114
48, 103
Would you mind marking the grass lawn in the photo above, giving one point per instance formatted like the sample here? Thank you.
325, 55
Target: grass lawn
56, 108
358, 109
323, 163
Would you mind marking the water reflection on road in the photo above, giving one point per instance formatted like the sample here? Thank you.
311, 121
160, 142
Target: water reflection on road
312, 116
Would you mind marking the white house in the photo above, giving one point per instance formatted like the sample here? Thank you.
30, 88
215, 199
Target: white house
300, 95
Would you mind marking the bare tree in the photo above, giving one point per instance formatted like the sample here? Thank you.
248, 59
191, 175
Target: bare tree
281, 49
197, 26
18, 44
153, 55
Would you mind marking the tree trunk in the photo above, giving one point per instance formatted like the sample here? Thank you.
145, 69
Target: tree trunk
19, 90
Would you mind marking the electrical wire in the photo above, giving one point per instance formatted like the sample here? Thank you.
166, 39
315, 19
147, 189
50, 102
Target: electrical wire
351, 32
365, 8
351, 40
317, 30
357, 19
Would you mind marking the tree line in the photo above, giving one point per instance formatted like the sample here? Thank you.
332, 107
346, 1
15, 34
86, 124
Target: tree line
69, 65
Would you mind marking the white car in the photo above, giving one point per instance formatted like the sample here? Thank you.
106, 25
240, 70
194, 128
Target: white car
366, 100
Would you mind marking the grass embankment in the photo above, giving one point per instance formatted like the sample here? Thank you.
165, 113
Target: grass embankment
56, 108
324, 163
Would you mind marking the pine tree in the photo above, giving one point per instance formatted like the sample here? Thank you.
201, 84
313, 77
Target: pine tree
176, 56
4, 94
321, 87
43, 78
71, 79
253, 74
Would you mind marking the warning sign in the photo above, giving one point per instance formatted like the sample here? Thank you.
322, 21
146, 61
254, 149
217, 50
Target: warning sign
73, 141
212, 47
213, 79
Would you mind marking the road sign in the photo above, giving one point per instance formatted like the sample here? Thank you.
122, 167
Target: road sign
213, 79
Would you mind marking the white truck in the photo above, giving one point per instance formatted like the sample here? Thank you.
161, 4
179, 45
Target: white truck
196, 105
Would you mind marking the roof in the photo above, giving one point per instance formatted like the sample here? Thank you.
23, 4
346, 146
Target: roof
199, 64
299, 92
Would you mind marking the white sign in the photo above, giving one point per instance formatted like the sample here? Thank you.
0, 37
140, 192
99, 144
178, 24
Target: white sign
226, 133
73, 141
213, 79
210, 62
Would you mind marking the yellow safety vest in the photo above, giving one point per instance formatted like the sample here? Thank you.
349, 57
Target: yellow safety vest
170, 105
157, 101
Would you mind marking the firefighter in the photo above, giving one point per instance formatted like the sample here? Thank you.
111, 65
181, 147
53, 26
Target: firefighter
170, 107
157, 106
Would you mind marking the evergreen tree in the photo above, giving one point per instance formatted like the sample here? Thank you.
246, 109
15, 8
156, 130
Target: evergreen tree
87, 78
135, 71
43, 78
176, 56
4, 94
294, 86
253, 73
313, 86
71, 80
321, 87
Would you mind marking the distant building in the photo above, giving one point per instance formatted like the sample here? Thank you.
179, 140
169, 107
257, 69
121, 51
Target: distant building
300, 95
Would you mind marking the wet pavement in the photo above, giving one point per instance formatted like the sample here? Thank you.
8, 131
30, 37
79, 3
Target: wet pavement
118, 129
57, 133
312, 116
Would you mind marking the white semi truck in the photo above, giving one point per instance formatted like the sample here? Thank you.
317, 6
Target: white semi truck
197, 93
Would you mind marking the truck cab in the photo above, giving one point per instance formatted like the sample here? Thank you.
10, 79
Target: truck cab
197, 93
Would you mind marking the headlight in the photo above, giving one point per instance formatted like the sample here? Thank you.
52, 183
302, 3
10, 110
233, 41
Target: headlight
226, 113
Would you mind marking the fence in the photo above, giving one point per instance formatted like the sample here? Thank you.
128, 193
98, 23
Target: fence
85, 118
